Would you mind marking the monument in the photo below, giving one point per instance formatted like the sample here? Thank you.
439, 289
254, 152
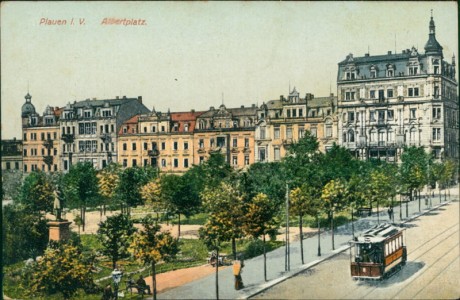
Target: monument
58, 229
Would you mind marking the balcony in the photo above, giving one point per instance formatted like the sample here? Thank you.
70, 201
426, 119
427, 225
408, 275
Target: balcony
153, 152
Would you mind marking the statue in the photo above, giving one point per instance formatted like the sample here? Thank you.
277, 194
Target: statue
57, 204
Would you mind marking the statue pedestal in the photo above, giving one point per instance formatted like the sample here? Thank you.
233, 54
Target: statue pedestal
59, 230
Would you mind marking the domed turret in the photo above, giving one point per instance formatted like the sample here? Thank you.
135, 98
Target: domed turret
432, 47
27, 108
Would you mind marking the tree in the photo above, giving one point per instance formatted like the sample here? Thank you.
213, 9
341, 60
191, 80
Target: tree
333, 195
131, 181
226, 210
37, 193
380, 187
24, 235
260, 220
176, 198
356, 195
62, 269
300, 156
81, 188
108, 179
413, 169
151, 194
114, 235
336, 163
304, 201
151, 246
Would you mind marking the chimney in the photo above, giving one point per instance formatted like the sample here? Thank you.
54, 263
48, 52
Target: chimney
242, 106
117, 97
389, 52
139, 98
192, 110
124, 97
211, 108
281, 97
332, 95
94, 98
253, 106
366, 54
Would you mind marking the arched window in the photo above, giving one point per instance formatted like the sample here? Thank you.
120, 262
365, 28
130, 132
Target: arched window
412, 136
351, 136
344, 137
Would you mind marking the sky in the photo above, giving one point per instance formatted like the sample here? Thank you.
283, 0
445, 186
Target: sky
193, 55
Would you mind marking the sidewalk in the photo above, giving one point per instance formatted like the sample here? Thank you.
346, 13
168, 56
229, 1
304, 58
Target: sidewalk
253, 277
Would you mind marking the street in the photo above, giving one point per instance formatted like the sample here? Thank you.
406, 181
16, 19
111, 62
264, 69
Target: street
431, 271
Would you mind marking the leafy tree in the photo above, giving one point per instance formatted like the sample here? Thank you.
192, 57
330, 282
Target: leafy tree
215, 169
108, 179
24, 235
266, 178
300, 156
336, 163
356, 194
304, 200
131, 182
151, 246
413, 169
37, 193
334, 196
226, 210
81, 188
176, 197
260, 220
379, 187
114, 235
62, 269
151, 194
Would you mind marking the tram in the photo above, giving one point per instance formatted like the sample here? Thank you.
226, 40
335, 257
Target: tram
378, 252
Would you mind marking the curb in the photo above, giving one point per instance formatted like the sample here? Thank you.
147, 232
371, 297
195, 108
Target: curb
265, 286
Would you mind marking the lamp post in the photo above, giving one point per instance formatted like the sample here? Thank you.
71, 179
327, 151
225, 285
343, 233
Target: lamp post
319, 236
116, 276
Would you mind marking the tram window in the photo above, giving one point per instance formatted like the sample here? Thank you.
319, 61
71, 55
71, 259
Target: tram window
387, 249
392, 246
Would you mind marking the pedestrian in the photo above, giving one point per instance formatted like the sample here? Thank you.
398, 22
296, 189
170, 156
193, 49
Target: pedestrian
237, 270
390, 213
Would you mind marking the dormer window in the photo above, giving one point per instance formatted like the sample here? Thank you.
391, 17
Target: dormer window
107, 113
390, 73
413, 70
87, 114
186, 127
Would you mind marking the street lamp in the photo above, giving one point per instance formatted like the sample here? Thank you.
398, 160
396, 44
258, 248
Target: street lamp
116, 276
319, 237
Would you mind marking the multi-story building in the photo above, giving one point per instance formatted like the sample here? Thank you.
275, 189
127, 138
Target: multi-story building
284, 121
88, 129
390, 101
229, 131
11, 155
40, 138
163, 140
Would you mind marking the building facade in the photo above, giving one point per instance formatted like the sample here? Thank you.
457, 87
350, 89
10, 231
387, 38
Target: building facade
387, 102
11, 155
40, 138
162, 140
229, 131
88, 129
284, 121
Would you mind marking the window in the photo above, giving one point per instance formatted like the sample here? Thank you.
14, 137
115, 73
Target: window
436, 134
125, 163
289, 132
146, 146
261, 154
276, 132
162, 129
277, 153
413, 112
351, 136
186, 127
235, 160
300, 112
413, 70
262, 132
436, 69
8, 165
246, 142
175, 146
201, 144
349, 95
413, 92
163, 145
185, 162
176, 163
145, 129
412, 134
373, 73
381, 95
314, 131
154, 129
389, 93
246, 160
201, 159
235, 142
372, 94
25, 152
134, 146
390, 115
436, 91
146, 162
351, 117
328, 130
294, 113
372, 116
288, 113
436, 112
220, 142
185, 145
163, 163
106, 113
381, 116
301, 132
134, 162
390, 73
87, 114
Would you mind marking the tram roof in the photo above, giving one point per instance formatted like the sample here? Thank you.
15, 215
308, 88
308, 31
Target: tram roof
378, 233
